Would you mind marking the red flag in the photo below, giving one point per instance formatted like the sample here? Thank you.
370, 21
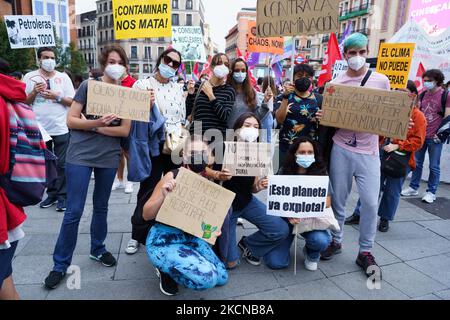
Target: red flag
331, 56
206, 67
195, 70
419, 80
252, 78
239, 53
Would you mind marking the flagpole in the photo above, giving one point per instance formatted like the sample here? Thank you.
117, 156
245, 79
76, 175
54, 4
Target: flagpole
292, 59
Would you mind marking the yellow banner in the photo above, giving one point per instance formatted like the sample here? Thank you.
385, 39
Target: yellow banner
142, 18
394, 60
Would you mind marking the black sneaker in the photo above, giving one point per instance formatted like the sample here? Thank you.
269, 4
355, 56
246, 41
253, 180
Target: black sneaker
107, 259
47, 203
53, 279
352, 220
247, 254
384, 225
333, 248
167, 285
61, 205
367, 262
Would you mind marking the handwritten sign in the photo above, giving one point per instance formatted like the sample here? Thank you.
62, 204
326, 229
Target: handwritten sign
29, 31
394, 60
142, 18
104, 98
248, 159
294, 18
274, 45
376, 111
196, 206
189, 42
297, 196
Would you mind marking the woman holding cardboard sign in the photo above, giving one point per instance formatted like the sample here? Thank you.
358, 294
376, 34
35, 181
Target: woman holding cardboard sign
94, 146
181, 258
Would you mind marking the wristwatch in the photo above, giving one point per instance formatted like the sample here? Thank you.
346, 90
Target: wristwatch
58, 99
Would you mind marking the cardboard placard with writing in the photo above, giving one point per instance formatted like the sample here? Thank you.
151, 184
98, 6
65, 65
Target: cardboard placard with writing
248, 159
196, 206
104, 98
394, 61
361, 109
142, 18
274, 45
30, 31
297, 196
295, 18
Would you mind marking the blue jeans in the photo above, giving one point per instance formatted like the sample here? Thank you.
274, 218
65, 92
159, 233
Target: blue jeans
390, 197
78, 178
271, 230
316, 242
434, 154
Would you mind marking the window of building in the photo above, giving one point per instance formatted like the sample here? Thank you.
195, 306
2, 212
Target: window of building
79, 33
111, 21
99, 8
81, 45
105, 22
89, 42
85, 44
105, 7
189, 4
189, 19
64, 35
134, 68
88, 30
62, 13
161, 39
100, 20
364, 24
174, 5
84, 32
101, 36
147, 68
106, 35
160, 50
38, 8
175, 19
133, 52
308, 44
148, 53
51, 11
110, 5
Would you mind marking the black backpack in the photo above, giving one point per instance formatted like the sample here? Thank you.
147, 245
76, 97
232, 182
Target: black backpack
443, 101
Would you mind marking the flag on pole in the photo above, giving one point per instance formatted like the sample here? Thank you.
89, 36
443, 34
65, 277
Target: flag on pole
348, 31
195, 71
331, 56
419, 80
288, 47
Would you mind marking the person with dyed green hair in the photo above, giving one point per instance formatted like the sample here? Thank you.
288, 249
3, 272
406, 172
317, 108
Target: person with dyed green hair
356, 155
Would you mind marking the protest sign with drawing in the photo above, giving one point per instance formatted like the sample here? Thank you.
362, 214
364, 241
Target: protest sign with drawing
189, 41
274, 45
376, 111
248, 159
30, 31
297, 196
394, 61
196, 206
294, 18
142, 19
104, 98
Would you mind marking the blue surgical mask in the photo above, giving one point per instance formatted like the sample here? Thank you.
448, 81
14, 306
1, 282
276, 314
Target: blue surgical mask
305, 161
429, 85
166, 72
240, 76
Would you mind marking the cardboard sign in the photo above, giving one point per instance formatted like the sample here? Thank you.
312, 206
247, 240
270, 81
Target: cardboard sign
394, 60
376, 111
189, 41
30, 31
142, 18
295, 18
273, 45
297, 196
248, 159
196, 206
104, 98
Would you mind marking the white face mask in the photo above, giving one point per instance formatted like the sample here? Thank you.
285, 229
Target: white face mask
429, 85
249, 134
48, 65
221, 71
115, 71
356, 63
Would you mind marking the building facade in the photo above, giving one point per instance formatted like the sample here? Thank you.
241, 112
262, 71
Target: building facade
144, 52
87, 37
237, 36
16, 7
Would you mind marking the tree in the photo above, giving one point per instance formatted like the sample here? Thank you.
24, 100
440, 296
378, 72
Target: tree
19, 59
69, 58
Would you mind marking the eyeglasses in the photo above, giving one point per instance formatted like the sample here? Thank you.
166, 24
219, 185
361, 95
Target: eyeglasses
175, 64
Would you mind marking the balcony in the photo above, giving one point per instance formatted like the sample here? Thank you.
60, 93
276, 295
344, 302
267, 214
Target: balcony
354, 12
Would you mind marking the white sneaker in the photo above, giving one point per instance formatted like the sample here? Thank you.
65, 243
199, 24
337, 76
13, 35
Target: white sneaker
429, 198
132, 247
129, 187
309, 265
117, 185
409, 192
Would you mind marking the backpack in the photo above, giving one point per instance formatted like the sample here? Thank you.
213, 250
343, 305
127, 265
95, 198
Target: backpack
32, 167
443, 101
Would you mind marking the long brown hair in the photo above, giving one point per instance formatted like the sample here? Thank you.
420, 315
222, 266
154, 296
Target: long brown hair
290, 166
103, 58
249, 92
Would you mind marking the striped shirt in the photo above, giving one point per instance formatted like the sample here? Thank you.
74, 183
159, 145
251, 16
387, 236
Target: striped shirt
212, 114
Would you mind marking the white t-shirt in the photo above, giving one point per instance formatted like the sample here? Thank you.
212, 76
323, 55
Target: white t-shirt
50, 114
169, 99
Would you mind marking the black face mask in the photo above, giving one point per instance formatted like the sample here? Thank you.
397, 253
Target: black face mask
303, 84
197, 162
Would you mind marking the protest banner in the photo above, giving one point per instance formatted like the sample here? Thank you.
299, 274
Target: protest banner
432, 15
376, 111
394, 61
196, 206
295, 18
297, 196
274, 45
142, 19
248, 159
104, 98
339, 67
29, 31
189, 42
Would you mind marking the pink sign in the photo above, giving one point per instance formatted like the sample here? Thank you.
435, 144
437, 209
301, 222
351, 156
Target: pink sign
432, 15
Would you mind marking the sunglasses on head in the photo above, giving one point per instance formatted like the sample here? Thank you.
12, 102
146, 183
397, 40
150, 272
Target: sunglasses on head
175, 64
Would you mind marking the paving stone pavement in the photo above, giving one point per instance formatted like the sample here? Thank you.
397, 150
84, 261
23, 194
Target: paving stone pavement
414, 256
